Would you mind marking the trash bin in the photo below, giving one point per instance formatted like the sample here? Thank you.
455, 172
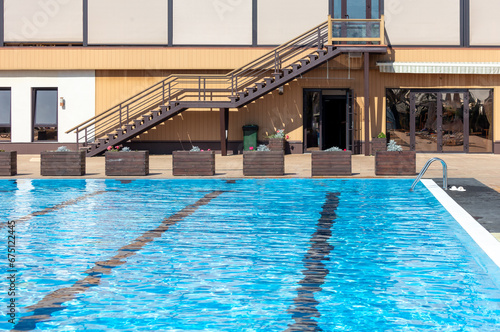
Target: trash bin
250, 136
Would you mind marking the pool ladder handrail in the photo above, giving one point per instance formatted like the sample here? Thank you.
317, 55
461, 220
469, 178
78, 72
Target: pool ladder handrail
424, 169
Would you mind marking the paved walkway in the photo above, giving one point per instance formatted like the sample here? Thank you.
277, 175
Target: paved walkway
484, 168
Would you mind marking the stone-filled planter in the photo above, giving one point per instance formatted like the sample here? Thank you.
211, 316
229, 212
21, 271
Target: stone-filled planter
276, 144
263, 163
193, 163
395, 163
379, 144
8, 163
127, 163
331, 163
62, 163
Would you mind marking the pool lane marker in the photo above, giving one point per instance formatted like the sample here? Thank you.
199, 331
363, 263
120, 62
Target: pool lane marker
304, 308
53, 302
479, 234
53, 208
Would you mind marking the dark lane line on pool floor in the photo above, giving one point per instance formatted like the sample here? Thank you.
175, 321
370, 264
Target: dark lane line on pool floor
304, 308
53, 302
52, 208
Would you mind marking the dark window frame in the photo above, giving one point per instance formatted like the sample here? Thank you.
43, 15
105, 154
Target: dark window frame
33, 111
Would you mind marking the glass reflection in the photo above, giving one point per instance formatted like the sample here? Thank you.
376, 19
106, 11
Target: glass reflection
453, 122
480, 120
425, 122
398, 116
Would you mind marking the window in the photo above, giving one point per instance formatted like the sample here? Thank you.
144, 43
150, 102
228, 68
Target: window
5, 114
44, 114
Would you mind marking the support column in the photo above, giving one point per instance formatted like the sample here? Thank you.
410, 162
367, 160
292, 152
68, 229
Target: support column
224, 124
367, 102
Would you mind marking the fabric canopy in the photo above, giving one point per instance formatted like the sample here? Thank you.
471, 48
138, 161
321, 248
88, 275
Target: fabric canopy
481, 68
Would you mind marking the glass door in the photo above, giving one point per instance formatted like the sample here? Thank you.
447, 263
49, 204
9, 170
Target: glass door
454, 119
423, 122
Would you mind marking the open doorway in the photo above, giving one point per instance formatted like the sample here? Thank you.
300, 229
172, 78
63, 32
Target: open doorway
327, 119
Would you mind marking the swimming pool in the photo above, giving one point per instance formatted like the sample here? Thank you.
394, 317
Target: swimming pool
241, 255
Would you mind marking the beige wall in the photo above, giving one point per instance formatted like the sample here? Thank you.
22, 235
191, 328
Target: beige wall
422, 22
484, 22
43, 21
282, 20
217, 22
128, 22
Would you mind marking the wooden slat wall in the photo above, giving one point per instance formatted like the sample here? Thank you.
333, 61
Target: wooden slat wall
126, 58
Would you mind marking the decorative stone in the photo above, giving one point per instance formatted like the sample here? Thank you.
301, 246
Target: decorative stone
395, 163
331, 163
193, 163
62, 163
8, 163
263, 163
127, 163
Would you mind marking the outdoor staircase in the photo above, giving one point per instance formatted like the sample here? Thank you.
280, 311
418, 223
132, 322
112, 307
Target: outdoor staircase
236, 89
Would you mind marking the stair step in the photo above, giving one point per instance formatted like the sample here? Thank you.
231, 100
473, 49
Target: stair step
111, 136
128, 128
321, 53
277, 76
234, 98
155, 113
330, 48
287, 71
295, 66
102, 141
146, 117
242, 94
120, 131
304, 62
313, 57
164, 108
260, 85
268, 80
137, 123
251, 90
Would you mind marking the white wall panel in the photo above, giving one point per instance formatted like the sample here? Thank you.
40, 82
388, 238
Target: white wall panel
77, 88
130, 22
43, 20
484, 22
212, 22
423, 22
282, 20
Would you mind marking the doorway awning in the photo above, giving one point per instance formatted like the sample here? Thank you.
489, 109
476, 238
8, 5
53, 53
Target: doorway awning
478, 68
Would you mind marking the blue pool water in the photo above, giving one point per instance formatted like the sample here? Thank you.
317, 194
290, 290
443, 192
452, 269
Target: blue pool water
243, 255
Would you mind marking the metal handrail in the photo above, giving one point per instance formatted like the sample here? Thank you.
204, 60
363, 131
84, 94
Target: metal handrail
424, 169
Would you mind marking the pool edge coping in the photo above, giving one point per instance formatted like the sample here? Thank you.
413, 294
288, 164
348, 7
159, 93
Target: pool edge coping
484, 239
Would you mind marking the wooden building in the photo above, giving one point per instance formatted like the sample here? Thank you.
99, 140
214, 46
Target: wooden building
164, 75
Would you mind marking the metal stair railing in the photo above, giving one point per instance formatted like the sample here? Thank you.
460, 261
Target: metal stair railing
206, 88
176, 89
424, 169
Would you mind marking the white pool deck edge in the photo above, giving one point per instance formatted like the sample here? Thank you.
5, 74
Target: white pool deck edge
484, 239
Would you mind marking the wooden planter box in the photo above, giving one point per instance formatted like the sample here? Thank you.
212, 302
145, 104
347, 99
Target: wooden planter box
331, 163
193, 163
395, 163
131, 163
263, 163
276, 144
8, 163
55, 163
379, 144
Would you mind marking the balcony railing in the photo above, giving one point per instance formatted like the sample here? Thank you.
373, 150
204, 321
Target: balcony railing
356, 31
